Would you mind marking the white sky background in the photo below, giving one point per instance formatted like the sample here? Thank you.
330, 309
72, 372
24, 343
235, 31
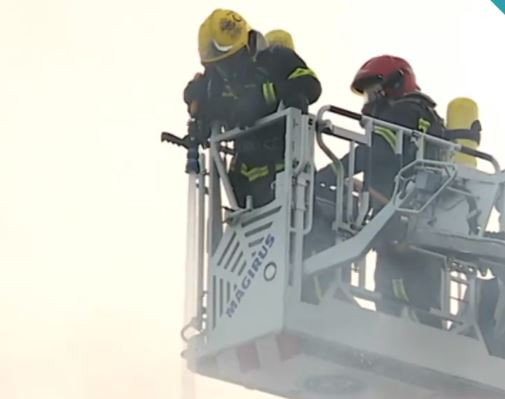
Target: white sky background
92, 205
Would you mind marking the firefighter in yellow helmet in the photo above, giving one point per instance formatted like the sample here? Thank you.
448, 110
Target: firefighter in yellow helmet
279, 37
243, 82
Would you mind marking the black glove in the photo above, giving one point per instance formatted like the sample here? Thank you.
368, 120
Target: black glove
195, 90
298, 101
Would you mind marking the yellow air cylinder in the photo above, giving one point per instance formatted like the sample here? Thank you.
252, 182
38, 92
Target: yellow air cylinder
462, 122
280, 37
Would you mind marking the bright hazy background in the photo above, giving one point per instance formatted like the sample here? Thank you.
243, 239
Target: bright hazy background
92, 205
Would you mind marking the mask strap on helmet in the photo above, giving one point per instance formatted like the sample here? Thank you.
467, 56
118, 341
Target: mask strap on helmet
394, 81
252, 42
255, 43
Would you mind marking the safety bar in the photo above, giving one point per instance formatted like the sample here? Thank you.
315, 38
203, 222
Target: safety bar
402, 130
217, 137
481, 155
344, 112
260, 124
441, 142
339, 171
325, 127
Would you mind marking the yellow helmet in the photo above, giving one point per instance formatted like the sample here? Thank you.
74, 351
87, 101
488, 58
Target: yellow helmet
280, 37
221, 35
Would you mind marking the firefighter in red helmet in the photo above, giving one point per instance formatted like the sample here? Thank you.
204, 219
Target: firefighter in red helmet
378, 70
390, 91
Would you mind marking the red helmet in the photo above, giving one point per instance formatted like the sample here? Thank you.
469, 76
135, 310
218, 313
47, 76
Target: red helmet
379, 70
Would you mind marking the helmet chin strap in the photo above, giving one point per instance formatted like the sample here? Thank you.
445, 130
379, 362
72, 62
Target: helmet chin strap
255, 43
252, 43
395, 81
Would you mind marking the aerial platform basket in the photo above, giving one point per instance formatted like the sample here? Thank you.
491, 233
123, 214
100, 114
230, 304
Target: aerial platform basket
262, 319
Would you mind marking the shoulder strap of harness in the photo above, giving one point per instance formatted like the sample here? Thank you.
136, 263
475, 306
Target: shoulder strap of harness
426, 104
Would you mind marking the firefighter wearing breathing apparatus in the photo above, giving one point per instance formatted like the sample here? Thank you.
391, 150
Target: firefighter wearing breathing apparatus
243, 81
390, 91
